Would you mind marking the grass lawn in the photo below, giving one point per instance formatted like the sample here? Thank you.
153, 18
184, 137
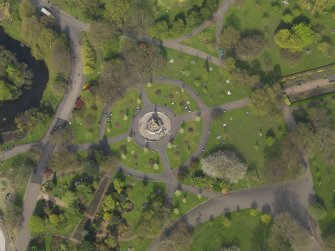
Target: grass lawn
18, 169
204, 41
211, 84
246, 134
138, 195
85, 121
136, 157
324, 176
242, 232
170, 14
259, 15
70, 6
185, 143
185, 202
174, 97
123, 111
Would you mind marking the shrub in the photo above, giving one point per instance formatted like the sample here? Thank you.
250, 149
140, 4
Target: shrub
266, 218
317, 211
224, 165
253, 212
226, 222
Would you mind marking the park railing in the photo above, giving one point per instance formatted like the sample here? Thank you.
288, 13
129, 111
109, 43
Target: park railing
325, 72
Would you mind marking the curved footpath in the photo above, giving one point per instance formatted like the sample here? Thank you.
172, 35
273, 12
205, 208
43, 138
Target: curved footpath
73, 27
279, 196
293, 195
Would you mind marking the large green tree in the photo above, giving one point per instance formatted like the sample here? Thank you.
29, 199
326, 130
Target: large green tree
229, 38
14, 76
116, 10
267, 101
287, 234
295, 39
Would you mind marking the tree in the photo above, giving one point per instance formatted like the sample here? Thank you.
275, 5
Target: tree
295, 39
325, 48
62, 137
13, 216
87, 246
6, 92
162, 26
174, 4
243, 77
91, 8
104, 37
14, 76
193, 18
114, 80
60, 62
115, 10
288, 18
54, 219
317, 211
64, 160
179, 239
108, 204
142, 59
178, 26
36, 224
287, 234
248, 47
46, 39
224, 165
229, 38
26, 9
230, 64
89, 58
27, 120
118, 185
267, 101
284, 161
316, 6
138, 20
111, 242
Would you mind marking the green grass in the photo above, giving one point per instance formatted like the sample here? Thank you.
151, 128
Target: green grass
204, 41
122, 113
50, 97
185, 202
323, 177
213, 235
162, 94
245, 133
84, 122
71, 8
211, 85
11, 165
259, 15
185, 143
136, 157
138, 195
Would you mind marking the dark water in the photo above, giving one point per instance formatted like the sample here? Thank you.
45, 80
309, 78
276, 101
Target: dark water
30, 97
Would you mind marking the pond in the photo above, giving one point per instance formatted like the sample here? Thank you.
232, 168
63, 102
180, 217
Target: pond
30, 97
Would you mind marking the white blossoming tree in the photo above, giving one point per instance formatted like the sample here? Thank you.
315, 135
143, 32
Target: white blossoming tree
224, 165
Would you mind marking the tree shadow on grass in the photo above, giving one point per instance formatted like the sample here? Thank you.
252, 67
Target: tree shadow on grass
288, 201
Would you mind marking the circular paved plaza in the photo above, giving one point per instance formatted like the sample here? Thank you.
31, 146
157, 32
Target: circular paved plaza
154, 126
